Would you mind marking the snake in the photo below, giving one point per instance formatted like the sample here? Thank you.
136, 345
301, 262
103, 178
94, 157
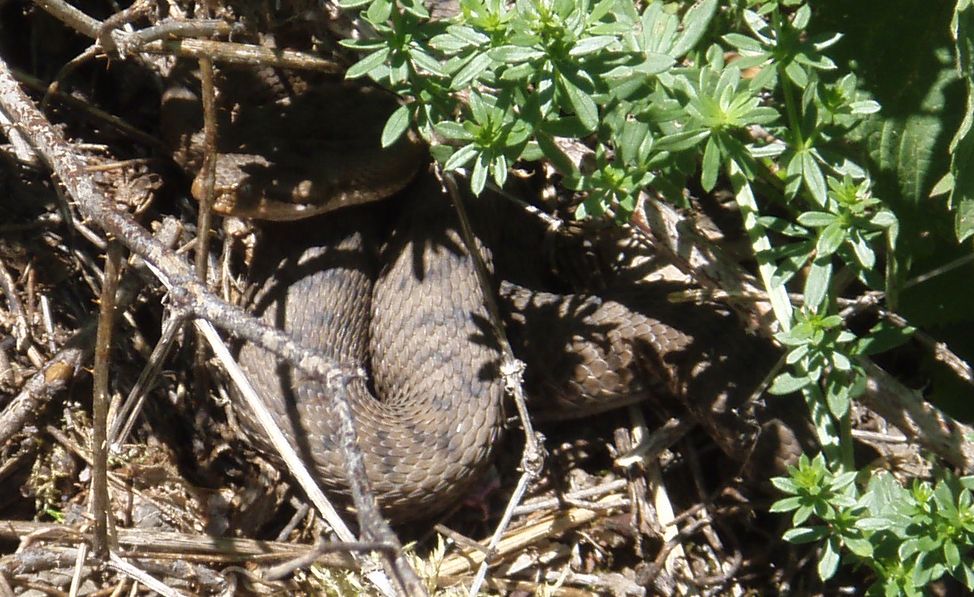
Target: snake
392, 287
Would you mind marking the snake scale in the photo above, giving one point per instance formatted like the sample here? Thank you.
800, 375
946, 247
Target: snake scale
392, 288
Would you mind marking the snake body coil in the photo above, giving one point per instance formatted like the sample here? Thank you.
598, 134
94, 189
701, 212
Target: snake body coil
429, 418
411, 311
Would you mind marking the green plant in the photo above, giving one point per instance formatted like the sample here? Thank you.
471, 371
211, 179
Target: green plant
906, 537
741, 94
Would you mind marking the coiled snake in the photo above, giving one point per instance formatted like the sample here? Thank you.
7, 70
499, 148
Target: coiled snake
409, 307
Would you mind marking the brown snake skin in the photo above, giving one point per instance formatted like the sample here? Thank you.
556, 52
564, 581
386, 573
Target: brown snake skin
409, 308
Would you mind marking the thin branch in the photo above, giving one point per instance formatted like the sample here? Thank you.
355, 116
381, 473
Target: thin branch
172, 545
234, 53
223, 52
100, 398
919, 420
53, 377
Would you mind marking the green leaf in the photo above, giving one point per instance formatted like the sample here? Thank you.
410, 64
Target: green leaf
944, 186
452, 130
514, 54
516, 73
441, 153
498, 167
362, 44
828, 562
793, 172
367, 64
796, 354
865, 107
962, 145
964, 220
830, 239
478, 108
817, 282
785, 484
478, 180
448, 44
884, 219
517, 135
461, 157
583, 105
659, 30
695, 23
654, 63
760, 244
471, 71
682, 140
631, 139
813, 178
882, 337
592, 44
861, 547
601, 9
786, 504
592, 206
803, 513
817, 219
397, 124
796, 72
804, 534
711, 165
967, 575
762, 115
844, 480
743, 42
838, 401
532, 152
426, 62
951, 554
786, 383
468, 35
379, 11
783, 226
874, 523
864, 253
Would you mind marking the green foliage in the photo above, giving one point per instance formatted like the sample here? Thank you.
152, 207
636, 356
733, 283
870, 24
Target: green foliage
906, 537
746, 94
913, 63
960, 179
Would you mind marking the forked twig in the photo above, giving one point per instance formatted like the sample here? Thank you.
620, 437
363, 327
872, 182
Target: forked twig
225, 52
